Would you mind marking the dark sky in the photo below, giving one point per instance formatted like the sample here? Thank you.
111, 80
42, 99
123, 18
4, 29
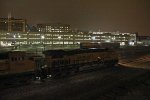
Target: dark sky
106, 15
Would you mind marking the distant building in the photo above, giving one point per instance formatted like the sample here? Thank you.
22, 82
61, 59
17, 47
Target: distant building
66, 39
12, 24
143, 40
114, 37
53, 27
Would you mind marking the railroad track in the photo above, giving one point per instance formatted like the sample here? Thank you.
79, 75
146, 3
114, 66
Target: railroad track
105, 84
13, 82
17, 81
123, 87
110, 88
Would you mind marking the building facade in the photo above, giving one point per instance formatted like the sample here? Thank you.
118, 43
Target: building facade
12, 24
115, 37
64, 39
143, 40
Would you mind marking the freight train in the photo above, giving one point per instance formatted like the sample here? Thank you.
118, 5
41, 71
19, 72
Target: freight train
55, 62
64, 62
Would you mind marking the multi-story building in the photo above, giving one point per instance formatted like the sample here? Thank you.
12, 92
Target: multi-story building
53, 27
12, 24
115, 37
64, 39
143, 40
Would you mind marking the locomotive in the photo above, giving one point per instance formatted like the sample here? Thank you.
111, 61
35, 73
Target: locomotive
64, 62
55, 62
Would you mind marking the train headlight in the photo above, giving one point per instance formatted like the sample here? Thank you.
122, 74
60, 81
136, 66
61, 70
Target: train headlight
48, 76
44, 66
38, 78
99, 57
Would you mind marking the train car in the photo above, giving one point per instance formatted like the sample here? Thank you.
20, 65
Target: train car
64, 62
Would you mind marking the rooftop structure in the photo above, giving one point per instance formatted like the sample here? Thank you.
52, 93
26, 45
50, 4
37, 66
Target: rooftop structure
12, 24
53, 27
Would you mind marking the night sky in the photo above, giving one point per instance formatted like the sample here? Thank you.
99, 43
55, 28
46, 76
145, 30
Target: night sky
106, 15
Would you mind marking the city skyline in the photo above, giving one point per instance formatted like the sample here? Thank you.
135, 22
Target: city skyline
121, 15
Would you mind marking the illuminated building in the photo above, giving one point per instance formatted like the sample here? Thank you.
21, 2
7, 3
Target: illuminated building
116, 37
12, 24
64, 39
53, 27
